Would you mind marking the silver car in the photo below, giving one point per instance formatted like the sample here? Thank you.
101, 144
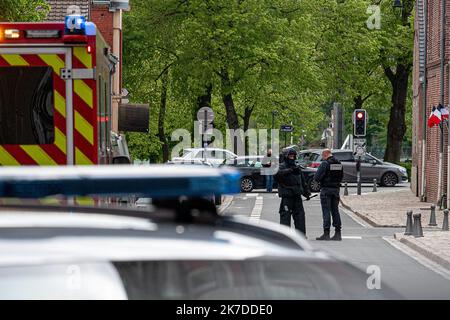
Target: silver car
387, 174
215, 156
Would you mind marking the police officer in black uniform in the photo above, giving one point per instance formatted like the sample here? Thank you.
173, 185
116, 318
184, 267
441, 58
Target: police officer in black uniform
291, 187
330, 174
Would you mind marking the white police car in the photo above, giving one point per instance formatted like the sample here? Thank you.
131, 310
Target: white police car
178, 248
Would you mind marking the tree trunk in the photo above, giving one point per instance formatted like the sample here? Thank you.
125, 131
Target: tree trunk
358, 102
227, 98
203, 101
247, 115
162, 115
397, 125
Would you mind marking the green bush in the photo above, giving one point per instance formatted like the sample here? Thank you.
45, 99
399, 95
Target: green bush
407, 166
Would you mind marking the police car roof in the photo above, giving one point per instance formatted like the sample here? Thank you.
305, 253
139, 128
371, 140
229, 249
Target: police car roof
28, 237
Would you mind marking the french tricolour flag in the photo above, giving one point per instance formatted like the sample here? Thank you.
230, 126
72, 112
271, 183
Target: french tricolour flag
444, 113
435, 118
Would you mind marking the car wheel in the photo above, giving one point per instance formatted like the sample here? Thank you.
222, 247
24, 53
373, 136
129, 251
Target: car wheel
389, 179
247, 184
314, 185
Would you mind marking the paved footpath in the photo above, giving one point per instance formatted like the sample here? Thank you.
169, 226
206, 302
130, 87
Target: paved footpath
388, 208
402, 269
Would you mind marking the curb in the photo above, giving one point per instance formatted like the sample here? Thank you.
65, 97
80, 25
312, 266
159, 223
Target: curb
366, 219
426, 253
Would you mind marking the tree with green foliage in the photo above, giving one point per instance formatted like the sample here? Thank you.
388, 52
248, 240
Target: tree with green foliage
245, 59
23, 10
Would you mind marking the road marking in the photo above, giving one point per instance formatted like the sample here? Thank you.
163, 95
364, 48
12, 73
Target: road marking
352, 237
255, 216
355, 218
427, 263
252, 195
225, 204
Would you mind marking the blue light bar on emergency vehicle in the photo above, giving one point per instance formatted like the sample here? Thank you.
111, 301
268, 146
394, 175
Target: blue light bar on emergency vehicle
158, 181
75, 29
75, 24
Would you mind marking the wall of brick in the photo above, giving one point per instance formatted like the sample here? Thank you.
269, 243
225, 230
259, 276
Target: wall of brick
101, 16
433, 98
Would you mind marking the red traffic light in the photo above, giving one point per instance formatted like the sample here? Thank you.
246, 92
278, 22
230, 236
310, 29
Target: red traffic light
360, 122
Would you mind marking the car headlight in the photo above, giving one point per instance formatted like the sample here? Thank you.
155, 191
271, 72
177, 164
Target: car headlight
403, 171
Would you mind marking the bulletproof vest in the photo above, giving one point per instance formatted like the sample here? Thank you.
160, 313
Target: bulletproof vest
335, 173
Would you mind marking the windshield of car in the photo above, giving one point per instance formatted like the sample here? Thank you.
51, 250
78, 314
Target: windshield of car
370, 158
308, 157
244, 162
344, 156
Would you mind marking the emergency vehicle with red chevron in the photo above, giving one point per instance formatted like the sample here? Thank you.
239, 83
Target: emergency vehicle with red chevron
55, 94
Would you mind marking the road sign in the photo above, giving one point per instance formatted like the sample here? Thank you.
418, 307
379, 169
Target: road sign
359, 146
286, 128
360, 151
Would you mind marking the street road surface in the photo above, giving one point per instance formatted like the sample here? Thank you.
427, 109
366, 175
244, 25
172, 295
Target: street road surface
362, 245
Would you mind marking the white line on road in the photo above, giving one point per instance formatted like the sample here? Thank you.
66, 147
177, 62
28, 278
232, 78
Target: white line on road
225, 204
352, 237
255, 216
252, 195
433, 266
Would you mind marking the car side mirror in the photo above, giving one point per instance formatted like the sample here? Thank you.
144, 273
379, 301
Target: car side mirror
373, 162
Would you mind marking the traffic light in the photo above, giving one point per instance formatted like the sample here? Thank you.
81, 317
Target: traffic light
360, 122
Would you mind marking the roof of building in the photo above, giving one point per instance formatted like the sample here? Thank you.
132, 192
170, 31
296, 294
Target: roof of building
59, 8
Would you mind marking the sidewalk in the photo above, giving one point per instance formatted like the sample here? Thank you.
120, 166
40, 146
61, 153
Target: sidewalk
388, 209
435, 245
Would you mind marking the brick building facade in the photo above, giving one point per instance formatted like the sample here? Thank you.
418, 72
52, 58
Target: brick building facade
433, 97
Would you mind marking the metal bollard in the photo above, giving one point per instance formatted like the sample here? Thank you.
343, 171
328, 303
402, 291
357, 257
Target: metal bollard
433, 216
409, 223
417, 228
374, 185
445, 223
345, 189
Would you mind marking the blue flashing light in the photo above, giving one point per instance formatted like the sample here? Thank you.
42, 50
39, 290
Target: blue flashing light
158, 181
91, 29
75, 25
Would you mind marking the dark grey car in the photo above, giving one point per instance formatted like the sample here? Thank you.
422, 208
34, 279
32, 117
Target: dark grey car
387, 174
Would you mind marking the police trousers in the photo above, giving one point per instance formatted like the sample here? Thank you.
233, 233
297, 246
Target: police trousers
329, 199
293, 207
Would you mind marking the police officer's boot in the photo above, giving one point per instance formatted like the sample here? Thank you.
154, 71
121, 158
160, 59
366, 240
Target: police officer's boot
325, 236
337, 235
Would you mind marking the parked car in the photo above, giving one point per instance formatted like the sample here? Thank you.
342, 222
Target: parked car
194, 162
387, 174
250, 168
215, 156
